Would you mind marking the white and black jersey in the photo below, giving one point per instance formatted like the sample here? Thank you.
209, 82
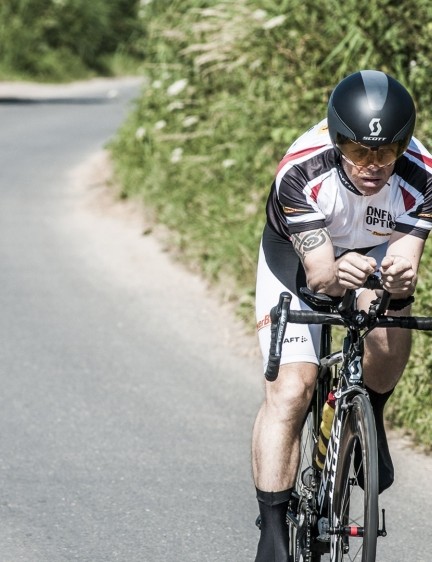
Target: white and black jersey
311, 190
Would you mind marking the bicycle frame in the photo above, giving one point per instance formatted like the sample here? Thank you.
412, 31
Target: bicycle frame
347, 381
317, 488
312, 506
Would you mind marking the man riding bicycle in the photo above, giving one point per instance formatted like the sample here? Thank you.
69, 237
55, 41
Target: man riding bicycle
351, 197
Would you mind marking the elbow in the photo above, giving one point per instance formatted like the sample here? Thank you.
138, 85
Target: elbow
326, 284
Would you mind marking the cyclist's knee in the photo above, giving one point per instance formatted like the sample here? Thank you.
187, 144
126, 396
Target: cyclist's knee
292, 391
386, 356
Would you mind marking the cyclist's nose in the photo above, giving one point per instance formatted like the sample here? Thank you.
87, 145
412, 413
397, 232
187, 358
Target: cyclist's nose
372, 159
373, 166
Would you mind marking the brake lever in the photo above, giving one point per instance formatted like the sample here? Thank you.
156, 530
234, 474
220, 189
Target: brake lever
347, 304
379, 306
384, 303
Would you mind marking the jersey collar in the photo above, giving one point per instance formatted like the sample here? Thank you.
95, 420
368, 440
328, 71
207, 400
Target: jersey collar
345, 180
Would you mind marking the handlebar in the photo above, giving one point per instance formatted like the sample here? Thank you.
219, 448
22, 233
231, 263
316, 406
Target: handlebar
407, 322
279, 321
281, 314
373, 282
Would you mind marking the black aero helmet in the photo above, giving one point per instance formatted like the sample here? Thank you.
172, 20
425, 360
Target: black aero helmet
371, 108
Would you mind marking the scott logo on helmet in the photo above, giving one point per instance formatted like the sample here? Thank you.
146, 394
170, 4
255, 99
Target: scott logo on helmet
375, 130
375, 127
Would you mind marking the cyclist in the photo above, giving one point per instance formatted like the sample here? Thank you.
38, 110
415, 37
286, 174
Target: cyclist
351, 197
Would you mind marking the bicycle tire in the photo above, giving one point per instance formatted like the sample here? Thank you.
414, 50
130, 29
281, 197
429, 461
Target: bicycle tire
354, 509
297, 542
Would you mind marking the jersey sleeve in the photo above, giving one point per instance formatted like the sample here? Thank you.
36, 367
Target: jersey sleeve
291, 206
301, 213
416, 190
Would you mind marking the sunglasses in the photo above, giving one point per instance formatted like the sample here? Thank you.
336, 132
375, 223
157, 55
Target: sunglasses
358, 154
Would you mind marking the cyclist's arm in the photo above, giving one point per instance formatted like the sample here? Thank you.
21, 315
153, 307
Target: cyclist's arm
400, 266
324, 273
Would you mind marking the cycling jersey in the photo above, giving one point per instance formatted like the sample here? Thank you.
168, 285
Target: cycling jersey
311, 190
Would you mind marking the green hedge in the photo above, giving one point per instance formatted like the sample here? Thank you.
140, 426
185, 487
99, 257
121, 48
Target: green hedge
65, 39
230, 86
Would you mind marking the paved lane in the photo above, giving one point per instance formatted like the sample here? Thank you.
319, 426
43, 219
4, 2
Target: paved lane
126, 406
123, 422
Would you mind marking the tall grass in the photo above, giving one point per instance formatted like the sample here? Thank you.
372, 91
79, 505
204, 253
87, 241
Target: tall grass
231, 84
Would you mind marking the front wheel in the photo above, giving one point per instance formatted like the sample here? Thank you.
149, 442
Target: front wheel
354, 513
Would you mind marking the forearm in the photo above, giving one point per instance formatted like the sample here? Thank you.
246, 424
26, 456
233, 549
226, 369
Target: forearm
325, 280
316, 253
324, 273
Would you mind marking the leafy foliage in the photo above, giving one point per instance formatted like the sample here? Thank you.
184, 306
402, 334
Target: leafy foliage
64, 39
231, 84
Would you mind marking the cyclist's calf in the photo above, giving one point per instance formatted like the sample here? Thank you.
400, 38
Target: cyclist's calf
277, 427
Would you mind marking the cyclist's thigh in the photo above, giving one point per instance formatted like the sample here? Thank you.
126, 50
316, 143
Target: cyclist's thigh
279, 270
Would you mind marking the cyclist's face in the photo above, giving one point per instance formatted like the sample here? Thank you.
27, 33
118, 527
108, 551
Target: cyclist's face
369, 168
368, 179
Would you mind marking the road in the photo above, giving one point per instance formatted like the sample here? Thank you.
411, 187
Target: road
128, 391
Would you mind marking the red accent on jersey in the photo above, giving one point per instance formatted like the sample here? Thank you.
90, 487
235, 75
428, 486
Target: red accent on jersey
294, 155
409, 200
315, 191
425, 159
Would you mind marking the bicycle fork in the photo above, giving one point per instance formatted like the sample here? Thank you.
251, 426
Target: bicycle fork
327, 480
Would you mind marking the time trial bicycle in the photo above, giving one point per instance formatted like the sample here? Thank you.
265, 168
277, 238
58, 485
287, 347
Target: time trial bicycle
333, 513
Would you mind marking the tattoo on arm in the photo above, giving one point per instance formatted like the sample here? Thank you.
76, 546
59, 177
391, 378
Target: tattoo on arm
305, 242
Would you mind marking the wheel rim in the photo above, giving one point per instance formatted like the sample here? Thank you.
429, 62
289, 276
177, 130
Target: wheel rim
355, 505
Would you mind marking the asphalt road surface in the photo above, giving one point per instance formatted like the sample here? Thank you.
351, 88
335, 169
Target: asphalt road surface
128, 393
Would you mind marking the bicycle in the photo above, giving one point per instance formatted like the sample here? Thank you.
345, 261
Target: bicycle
334, 507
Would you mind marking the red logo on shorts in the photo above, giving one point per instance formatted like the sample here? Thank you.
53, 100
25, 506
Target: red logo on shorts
264, 322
